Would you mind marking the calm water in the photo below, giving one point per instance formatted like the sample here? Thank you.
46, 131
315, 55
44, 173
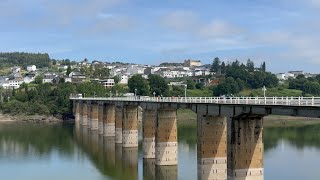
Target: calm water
31, 152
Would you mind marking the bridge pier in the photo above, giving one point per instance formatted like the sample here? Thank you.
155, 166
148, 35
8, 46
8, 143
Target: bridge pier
94, 117
118, 124
130, 127
89, 106
84, 120
148, 130
109, 121
212, 147
100, 118
166, 137
77, 112
247, 147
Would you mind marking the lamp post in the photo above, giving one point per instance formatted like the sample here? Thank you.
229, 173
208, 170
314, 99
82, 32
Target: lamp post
185, 90
264, 89
135, 92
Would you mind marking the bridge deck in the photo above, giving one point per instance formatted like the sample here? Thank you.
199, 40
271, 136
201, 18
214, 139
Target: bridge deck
282, 101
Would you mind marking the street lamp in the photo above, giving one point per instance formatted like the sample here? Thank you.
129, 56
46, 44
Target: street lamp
185, 90
264, 89
135, 92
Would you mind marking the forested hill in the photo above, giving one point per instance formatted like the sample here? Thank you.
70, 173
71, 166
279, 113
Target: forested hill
24, 59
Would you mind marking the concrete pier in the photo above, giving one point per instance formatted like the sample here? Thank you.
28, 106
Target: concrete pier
100, 119
109, 121
130, 127
247, 148
166, 137
77, 112
89, 114
84, 120
94, 117
148, 133
212, 147
118, 124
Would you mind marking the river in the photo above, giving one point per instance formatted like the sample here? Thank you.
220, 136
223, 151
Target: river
51, 152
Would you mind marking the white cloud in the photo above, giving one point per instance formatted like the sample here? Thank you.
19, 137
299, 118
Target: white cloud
180, 20
218, 28
187, 21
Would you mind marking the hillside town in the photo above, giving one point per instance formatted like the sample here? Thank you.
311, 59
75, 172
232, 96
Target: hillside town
120, 73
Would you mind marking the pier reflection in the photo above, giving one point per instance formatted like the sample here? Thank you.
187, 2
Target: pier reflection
117, 162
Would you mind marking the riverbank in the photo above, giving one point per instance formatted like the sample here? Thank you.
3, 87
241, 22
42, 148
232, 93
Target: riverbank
188, 117
31, 119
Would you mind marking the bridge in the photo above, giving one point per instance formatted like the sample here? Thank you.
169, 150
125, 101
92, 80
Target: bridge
230, 129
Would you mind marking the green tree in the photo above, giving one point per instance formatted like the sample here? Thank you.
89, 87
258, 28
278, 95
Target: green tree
263, 67
250, 65
191, 84
158, 85
215, 65
38, 79
137, 82
223, 68
227, 87
68, 70
312, 88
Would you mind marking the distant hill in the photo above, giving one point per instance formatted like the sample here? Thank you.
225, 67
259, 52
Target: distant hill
24, 59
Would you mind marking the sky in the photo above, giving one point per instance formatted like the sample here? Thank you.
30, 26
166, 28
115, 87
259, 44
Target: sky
283, 33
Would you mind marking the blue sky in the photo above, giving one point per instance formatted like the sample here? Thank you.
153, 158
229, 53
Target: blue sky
284, 33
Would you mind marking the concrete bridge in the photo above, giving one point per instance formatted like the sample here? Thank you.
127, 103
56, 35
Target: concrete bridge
229, 145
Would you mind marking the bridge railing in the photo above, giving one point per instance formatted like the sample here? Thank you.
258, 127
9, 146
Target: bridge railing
292, 101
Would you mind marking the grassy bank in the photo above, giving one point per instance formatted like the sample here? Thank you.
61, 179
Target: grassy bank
279, 91
188, 117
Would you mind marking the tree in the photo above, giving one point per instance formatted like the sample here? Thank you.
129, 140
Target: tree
38, 79
227, 87
223, 68
62, 80
271, 80
116, 79
200, 85
312, 88
215, 65
250, 65
263, 66
68, 70
191, 84
137, 82
158, 85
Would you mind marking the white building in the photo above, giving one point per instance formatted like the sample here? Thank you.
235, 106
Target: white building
15, 83
281, 76
15, 69
289, 75
108, 83
31, 68
123, 79
48, 77
135, 69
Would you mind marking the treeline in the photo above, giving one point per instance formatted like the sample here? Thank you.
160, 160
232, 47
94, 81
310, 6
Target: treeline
236, 76
50, 98
24, 59
308, 86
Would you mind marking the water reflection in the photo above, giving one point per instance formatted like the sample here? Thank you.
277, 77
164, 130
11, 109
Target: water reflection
78, 153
